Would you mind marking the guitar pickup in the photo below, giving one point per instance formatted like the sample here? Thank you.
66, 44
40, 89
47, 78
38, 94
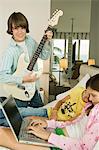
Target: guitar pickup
21, 86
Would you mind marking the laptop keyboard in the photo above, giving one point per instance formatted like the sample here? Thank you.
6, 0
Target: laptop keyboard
27, 136
23, 131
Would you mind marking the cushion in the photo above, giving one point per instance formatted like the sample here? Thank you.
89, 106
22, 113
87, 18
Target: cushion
72, 105
81, 83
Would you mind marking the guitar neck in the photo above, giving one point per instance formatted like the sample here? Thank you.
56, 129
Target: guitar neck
69, 72
38, 51
70, 47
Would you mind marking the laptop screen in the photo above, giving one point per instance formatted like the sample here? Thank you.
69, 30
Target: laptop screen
13, 115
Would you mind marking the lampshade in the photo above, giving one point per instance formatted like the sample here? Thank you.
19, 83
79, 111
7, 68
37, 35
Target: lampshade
63, 63
91, 61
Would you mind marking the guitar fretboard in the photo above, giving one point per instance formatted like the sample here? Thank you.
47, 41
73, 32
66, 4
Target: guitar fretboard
37, 52
70, 48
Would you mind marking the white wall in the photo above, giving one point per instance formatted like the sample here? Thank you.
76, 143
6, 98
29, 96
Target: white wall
37, 13
94, 31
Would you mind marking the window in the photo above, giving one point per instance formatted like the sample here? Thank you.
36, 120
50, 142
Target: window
84, 50
58, 47
81, 50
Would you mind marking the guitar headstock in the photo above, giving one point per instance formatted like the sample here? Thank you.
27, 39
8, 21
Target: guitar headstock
55, 17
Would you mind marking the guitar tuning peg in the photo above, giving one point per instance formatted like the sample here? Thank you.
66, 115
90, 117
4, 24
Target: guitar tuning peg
56, 10
53, 13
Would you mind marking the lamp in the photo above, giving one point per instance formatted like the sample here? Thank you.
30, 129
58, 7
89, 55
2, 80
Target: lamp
91, 62
63, 64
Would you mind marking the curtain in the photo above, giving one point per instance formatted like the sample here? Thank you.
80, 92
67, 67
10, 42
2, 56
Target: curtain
65, 35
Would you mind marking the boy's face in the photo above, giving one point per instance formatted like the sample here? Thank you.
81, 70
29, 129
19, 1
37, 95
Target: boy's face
19, 33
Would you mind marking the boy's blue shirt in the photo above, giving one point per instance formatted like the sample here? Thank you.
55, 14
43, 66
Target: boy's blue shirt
9, 60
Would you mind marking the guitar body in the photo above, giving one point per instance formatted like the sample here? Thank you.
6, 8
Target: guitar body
24, 91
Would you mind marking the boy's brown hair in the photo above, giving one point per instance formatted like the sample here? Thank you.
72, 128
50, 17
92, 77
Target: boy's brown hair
19, 20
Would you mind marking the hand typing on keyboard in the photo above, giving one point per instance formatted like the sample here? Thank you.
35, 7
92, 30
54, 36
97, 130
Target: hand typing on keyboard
39, 131
40, 122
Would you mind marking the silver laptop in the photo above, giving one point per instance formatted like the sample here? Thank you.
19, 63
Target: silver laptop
18, 125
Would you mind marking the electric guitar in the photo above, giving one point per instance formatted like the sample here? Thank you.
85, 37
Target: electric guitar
26, 91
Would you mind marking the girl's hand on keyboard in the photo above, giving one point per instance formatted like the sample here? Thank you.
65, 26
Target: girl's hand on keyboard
39, 131
40, 122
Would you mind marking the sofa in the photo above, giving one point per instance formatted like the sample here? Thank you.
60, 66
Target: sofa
83, 70
91, 70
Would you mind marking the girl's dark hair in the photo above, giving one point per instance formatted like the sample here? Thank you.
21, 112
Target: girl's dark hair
93, 82
19, 20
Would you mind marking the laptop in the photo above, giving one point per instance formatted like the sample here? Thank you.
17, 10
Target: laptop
18, 125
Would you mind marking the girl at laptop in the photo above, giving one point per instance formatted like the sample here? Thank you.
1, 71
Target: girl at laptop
91, 134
